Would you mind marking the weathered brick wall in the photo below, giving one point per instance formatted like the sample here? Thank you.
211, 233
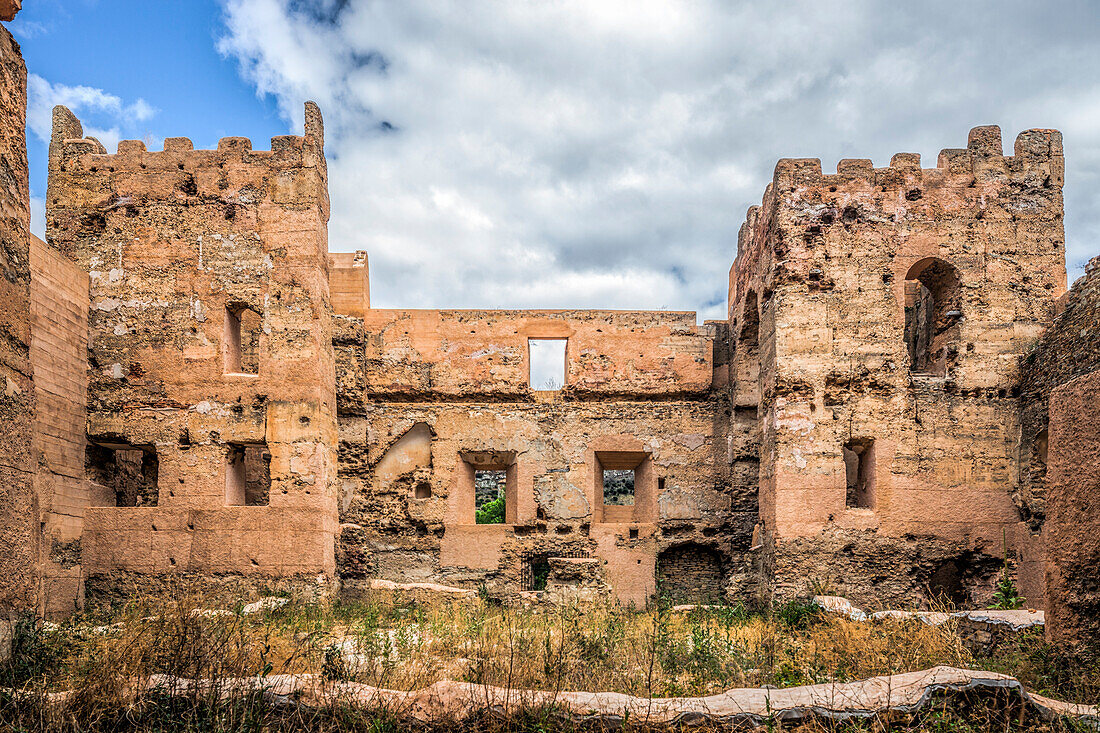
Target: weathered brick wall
173, 240
1073, 517
461, 353
423, 392
1068, 349
690, 574
19, 535
826, 259
59, 353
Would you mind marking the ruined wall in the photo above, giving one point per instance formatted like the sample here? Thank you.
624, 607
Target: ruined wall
59, 353
349, 283
1073, 517
210, 340
833, 274
19, 534
1068, 349
1054, 372
427, 397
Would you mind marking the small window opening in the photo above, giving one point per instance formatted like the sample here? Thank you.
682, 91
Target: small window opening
247, 475
633, 533
489, 496
535, 572
124, 475
624, 487
547, 363
241, 340
933, 312
749, 338
618, 487
859, 470
423, 490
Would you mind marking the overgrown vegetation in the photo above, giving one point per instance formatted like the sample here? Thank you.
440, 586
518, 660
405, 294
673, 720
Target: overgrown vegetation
489, 488
491, 512
406, 646
1005, 595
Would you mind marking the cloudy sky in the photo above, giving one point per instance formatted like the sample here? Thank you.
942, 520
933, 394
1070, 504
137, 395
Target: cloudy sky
561, 153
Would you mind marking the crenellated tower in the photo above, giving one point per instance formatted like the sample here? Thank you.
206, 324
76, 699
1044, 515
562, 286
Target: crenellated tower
211, 386
878, 316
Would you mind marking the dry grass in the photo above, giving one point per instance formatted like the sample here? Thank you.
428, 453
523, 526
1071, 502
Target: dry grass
407, 646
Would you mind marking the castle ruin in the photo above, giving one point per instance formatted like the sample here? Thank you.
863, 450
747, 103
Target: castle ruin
903, 393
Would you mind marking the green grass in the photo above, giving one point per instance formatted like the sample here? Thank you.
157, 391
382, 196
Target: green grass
405, 646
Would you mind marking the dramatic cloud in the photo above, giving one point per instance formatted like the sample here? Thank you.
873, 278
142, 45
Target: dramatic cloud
602, 154
106, 116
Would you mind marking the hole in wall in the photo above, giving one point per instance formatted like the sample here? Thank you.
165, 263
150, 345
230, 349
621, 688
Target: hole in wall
547, 363
489, 496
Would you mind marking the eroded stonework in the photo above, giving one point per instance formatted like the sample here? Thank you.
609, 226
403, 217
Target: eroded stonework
877, 317
217, 399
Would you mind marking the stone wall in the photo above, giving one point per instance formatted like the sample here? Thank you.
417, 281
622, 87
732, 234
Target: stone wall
1057, 477
835, 277
19, 532
1068, 349
59, 353
210, 340
428, 397
864, 422
1073, 517
690, 573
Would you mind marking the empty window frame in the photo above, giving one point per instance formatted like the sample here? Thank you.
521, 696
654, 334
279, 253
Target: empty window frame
547, 363
933, 312
122, 474
490, 496
618, 487
241, 340
247, 475
625, 487
859, 473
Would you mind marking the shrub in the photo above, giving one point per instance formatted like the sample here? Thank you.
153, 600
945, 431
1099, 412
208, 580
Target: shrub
491, 512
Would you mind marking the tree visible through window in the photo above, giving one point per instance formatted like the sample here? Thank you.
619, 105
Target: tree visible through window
489, 496
618, 487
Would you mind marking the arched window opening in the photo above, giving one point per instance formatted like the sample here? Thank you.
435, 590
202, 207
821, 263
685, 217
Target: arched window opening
933, 312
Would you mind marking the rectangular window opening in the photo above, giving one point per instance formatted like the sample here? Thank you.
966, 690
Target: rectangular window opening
122, 475
547, 363
859, 473
247, 475
242, 340
618, 487
490, 496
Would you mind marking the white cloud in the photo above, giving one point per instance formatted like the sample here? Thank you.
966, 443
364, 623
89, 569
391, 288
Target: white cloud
38, 217
602, 154
105, 116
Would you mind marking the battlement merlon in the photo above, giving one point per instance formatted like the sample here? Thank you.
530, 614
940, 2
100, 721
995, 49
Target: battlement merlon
1038, 160
72, 151
9, 8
